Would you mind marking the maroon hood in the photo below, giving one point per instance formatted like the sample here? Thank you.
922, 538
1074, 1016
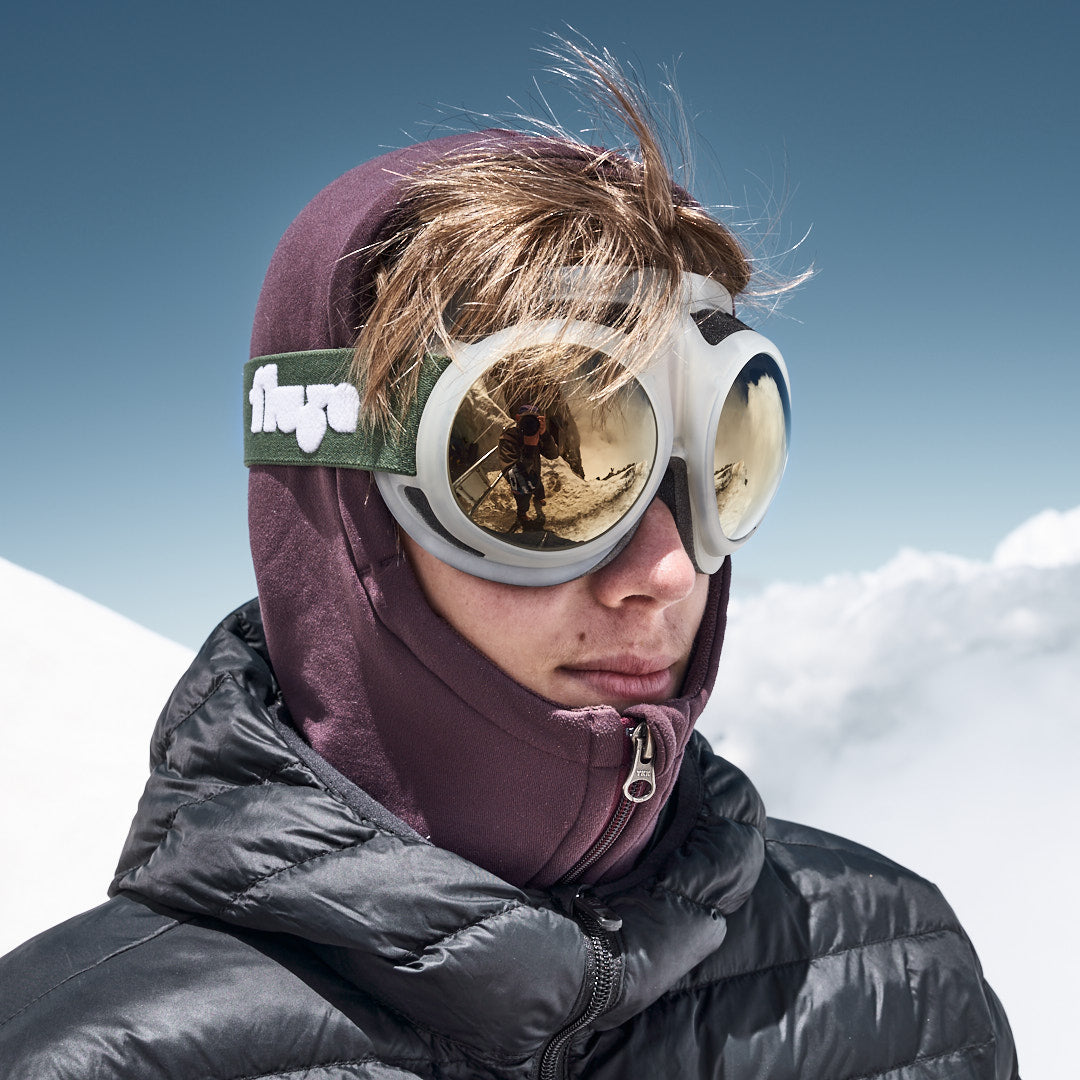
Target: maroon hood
382, 687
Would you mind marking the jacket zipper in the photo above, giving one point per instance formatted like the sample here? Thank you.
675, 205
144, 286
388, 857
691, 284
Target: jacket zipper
605, 961
599, 923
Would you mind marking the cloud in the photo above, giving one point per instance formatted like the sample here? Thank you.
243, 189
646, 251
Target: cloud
931, 710
1051, 538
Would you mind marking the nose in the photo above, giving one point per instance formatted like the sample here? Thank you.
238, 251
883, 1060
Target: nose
653, 569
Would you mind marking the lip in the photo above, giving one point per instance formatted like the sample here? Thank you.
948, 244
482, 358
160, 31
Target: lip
627, 678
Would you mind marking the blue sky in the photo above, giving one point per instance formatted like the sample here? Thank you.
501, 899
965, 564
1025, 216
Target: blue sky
154, 153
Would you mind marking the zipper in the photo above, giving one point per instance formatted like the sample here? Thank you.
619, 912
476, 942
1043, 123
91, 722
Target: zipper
639, 787
605, 962
599, 923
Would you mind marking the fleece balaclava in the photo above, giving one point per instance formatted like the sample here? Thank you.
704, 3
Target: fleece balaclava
379, 685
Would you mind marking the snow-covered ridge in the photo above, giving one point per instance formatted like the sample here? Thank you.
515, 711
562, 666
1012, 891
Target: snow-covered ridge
80, 689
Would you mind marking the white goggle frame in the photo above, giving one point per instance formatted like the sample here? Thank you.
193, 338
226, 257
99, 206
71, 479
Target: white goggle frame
686, 386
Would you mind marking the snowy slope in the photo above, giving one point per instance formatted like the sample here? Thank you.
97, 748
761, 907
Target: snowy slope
80, 689
931, 710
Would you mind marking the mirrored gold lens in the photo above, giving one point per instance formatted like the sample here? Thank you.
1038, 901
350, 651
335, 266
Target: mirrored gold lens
550, 465
751, 446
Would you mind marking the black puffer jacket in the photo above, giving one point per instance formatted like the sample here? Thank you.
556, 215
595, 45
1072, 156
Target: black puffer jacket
269, 920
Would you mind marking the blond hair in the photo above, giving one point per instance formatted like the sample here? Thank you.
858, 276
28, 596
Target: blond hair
478, 240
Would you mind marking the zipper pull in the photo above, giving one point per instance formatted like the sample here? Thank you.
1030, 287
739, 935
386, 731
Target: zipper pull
642, 771
597, 911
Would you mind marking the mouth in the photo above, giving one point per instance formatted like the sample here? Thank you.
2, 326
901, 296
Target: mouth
628, 679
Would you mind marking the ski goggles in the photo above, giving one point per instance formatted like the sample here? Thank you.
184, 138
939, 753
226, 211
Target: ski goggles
511, 477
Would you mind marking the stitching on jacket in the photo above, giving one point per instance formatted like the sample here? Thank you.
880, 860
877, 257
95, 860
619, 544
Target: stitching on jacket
817, 956
236, 897
840, 849
486, 1055
712, 910
819, 847
402, 1063
747, 822
96, 963
170, 821
344, 804
704, 817
466, 1052
509, 906
237, 787
700, 819
882, 860
215, 686
263, 778
322, 787
970, 1047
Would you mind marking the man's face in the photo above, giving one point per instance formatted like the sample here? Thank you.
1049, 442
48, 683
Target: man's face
619, 636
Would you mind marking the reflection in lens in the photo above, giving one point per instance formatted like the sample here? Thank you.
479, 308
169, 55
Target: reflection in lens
542, 464
751, 446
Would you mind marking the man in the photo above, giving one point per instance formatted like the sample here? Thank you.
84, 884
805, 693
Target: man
434, 805
520, 448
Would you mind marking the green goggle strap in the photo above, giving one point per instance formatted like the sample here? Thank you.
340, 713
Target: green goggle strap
301, 409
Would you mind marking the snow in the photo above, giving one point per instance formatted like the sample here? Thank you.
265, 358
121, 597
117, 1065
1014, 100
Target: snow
80, 689
928, 709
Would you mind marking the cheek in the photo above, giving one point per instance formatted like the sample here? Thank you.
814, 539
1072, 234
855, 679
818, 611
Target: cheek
697, 601
511, 636
689, 616
501, 624
514, 626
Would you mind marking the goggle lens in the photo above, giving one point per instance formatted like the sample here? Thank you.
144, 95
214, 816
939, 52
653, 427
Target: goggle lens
551, 466
751, 446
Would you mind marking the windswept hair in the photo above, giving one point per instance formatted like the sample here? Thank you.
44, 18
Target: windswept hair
479, 239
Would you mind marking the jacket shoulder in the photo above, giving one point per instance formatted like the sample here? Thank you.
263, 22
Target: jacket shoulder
834, 867
123, 991
781, 832
43, 966
844, 962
